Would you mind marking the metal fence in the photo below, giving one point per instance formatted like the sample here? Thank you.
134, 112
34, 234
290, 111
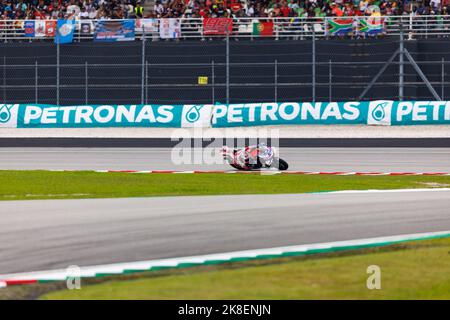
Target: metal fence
290, 27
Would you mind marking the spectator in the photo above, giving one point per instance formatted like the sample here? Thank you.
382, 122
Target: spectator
83, 14
138, 10
118, 9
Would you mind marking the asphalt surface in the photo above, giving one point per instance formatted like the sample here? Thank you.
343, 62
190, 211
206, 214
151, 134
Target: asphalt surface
370, 140
53, 234
299, 159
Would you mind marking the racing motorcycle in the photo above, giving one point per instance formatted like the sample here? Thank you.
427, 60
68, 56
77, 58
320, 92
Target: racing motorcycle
253, 158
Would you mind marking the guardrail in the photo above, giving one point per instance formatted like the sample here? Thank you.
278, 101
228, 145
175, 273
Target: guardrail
283, 28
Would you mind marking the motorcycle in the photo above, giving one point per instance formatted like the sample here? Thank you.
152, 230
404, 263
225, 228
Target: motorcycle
254, 158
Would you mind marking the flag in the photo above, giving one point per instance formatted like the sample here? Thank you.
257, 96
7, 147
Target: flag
263, 29
371, 26
65, 30
340, 26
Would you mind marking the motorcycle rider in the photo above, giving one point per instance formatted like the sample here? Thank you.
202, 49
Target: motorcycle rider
250, 157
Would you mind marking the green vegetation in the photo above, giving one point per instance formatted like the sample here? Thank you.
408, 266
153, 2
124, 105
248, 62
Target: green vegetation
414, 270
16, 185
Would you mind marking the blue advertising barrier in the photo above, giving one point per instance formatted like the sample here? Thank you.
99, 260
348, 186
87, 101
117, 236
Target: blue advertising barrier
90, 116
381, 112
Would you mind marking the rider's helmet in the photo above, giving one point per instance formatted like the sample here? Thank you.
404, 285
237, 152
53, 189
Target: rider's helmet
264, 151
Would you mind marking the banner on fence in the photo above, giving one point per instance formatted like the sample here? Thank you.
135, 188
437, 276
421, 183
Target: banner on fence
86, 27
29, 28
114, 30
169, 28
382, 112
64, 31
217, 26
89, 116
150, 25
39, 28
45, 28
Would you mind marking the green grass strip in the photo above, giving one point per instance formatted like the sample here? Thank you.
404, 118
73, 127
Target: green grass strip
31, 185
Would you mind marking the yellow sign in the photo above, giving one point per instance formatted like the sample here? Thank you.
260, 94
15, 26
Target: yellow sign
202, 80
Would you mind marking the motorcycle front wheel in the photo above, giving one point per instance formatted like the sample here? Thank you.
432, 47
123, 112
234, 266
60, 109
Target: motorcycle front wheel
280, 164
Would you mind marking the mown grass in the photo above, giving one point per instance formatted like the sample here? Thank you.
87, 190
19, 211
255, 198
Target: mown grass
414, 270
18, 185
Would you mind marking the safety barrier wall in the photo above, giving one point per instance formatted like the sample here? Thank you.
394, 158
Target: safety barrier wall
91, 116
380, 112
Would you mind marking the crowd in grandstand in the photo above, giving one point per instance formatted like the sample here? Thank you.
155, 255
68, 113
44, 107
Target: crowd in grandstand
120, 9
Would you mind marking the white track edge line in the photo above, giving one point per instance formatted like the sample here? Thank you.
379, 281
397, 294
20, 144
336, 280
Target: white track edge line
382, 191
119, 268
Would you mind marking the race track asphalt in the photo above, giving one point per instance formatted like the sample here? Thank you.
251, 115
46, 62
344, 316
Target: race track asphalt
299, 159
53, 234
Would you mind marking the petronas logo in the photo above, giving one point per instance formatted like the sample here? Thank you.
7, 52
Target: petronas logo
378, 112
5, 114
193, 114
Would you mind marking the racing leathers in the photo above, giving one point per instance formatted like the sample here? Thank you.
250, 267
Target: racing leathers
250, 157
